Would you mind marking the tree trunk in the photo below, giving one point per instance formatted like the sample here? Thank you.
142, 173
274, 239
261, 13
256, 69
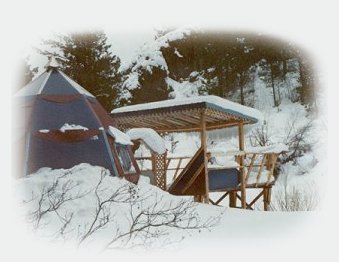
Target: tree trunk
284, 62
241, 82
273, 87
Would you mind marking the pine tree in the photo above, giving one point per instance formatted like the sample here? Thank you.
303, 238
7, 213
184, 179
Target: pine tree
86, 58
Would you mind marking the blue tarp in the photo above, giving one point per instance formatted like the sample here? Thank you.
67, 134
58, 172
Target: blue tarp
223, 178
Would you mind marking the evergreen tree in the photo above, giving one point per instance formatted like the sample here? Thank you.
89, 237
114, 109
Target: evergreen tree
86, 58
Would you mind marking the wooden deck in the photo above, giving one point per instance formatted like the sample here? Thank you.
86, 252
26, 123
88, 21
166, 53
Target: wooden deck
202, 114
188, 179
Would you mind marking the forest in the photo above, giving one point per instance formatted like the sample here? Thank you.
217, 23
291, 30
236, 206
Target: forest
218, 63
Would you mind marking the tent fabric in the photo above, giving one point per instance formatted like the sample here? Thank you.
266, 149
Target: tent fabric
71, 136
33, 88
48, 103
52, 116
55, 154
52, 82
105, 119
62, 99
58, 85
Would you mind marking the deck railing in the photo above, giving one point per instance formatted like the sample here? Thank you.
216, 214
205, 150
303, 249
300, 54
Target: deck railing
260, 160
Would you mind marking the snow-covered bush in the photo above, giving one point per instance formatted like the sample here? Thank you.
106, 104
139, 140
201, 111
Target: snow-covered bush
87, 205
295, 198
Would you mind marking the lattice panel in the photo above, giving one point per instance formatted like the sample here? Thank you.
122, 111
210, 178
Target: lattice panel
159, 170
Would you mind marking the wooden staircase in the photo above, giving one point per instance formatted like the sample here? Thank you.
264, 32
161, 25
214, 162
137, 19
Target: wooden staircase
191, 180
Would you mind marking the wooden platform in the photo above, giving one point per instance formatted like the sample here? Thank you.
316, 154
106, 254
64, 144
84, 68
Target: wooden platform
201, 114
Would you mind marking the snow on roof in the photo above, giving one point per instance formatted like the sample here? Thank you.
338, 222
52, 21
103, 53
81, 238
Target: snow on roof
151, 138
212, 101
67, 126
120, 137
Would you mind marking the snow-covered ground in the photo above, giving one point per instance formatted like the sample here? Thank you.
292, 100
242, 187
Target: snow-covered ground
85, 206
71, 200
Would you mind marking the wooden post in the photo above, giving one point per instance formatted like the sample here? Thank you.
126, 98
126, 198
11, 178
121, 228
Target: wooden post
267, 198
233, 199
203, 137
199, 198
241, 162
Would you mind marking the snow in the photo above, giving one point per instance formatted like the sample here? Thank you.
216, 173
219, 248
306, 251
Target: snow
222, 103
44, 130
264, 177
224, 164
52, 62
177, 53
82, 181
149, 56
67, 127
150, 137
276, 148
120, 137
186, 88
82, 188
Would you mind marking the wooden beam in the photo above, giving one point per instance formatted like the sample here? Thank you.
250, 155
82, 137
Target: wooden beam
239, 197
267, 197
177, 169
241, 162
261, 167
274, 160
192, 180
185, 169
250, 168
177, 129
203, 138
255, 199
221, 198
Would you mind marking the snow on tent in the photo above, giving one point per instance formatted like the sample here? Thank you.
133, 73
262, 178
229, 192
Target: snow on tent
63, 125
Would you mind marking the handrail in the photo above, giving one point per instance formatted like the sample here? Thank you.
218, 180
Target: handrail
250, 166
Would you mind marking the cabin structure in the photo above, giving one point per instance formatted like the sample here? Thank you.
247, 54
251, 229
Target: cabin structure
200, 177
60, 124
